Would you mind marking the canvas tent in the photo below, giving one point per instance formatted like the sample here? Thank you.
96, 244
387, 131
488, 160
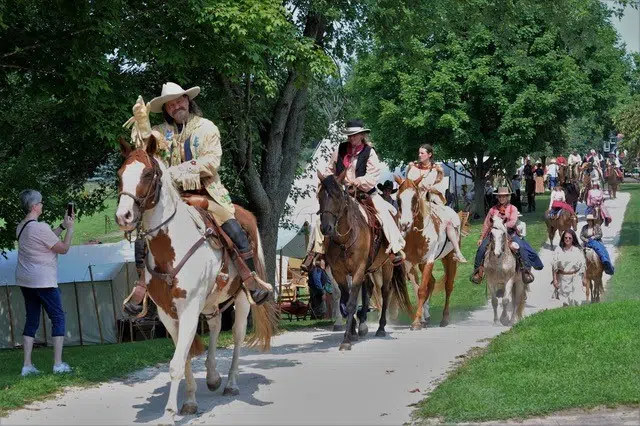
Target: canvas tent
93, 281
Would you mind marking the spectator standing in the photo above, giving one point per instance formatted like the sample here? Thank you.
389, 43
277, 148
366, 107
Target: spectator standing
37, 276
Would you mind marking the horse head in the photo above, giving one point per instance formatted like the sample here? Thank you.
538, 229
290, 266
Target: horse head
498, 234
408, 202
333, 200
139, 181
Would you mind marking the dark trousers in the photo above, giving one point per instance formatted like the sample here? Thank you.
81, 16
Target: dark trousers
531, 202
528, 255
50, 299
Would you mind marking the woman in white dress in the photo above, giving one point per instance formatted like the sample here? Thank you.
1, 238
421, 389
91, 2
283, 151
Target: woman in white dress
568, 269
432, 175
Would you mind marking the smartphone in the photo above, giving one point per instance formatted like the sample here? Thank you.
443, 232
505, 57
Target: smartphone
69, 209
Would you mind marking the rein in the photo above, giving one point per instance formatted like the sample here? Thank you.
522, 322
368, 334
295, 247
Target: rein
352, 240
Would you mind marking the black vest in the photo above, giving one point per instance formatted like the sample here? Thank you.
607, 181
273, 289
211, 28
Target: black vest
363, 158
361, 165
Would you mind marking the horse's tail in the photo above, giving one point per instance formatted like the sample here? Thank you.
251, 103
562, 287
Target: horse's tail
523, 301
265, 316
399, 289
197, 347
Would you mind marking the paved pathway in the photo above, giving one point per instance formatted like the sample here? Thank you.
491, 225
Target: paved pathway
305, 379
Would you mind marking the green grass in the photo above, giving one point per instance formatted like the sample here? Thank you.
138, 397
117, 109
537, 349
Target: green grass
92, 227
579, 357
624, 283
466, 296
95, 364
557, 359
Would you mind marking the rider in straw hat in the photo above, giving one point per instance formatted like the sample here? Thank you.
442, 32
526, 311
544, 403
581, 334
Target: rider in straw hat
190, 146
509, 213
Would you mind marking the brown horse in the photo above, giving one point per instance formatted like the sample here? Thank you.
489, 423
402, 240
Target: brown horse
560, 223
357, 258
563, 171
593, 275
426, 242
611, 175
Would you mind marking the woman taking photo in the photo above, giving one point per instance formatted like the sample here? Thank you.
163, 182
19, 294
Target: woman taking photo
37, 276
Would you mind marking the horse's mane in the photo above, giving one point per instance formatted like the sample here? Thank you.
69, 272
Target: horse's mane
167, 183
354, 216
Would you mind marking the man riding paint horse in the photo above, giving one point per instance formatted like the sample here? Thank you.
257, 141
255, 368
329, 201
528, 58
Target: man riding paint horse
190, 146
509, 213
359, 161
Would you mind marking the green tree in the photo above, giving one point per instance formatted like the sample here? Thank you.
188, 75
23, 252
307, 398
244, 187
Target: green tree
484, 81
62, 100
74, 71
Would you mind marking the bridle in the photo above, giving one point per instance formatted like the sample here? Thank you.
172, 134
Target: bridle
337, 217
415, 209
148, 201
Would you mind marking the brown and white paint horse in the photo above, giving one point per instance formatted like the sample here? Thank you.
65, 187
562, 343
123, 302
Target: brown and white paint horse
149, 199
425, 242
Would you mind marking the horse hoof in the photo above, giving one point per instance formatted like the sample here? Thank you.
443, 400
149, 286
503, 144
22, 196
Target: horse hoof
231, 391
416, 326
444, 323
215, 384
381, 333
504, 321
345, 347
338, 327
496, 323
363, 330
426, 322
188, 408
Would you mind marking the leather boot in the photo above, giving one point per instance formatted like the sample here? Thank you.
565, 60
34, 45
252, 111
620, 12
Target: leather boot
527, 276
477, 275
233, 229
133, 304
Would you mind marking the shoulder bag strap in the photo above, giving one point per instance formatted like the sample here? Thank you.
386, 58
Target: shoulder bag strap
24, 226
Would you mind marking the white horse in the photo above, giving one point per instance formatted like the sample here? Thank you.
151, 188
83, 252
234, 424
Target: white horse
502, 276
149, 201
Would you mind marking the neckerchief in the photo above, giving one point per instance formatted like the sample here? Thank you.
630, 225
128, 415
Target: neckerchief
352, 152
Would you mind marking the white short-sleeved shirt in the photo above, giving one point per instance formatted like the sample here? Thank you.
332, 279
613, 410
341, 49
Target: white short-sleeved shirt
37, 264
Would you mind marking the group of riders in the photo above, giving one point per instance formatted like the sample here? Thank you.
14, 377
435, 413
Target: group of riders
190, 147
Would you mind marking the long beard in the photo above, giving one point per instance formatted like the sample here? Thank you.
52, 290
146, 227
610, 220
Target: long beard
181, 116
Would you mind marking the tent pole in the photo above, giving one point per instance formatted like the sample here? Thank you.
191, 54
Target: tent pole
113, 302
13, 339
95, 304
280, 283
75, 290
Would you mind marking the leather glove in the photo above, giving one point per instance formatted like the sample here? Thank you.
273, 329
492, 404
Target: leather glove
141, 115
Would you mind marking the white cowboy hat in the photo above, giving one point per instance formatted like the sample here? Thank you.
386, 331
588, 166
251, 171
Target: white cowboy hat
354, 127
171, 91
553, 160
503, 190
591, 217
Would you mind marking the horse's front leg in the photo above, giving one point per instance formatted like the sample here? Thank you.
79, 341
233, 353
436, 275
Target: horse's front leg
338, 320
507, 301
213, 377
422, 294
352, 306
494, 303
242, 308
177, 367
362, 315
379, 279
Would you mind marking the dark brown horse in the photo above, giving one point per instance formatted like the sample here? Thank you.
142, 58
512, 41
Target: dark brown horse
357, 258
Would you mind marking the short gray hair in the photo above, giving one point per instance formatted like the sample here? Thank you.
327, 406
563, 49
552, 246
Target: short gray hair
29, 198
